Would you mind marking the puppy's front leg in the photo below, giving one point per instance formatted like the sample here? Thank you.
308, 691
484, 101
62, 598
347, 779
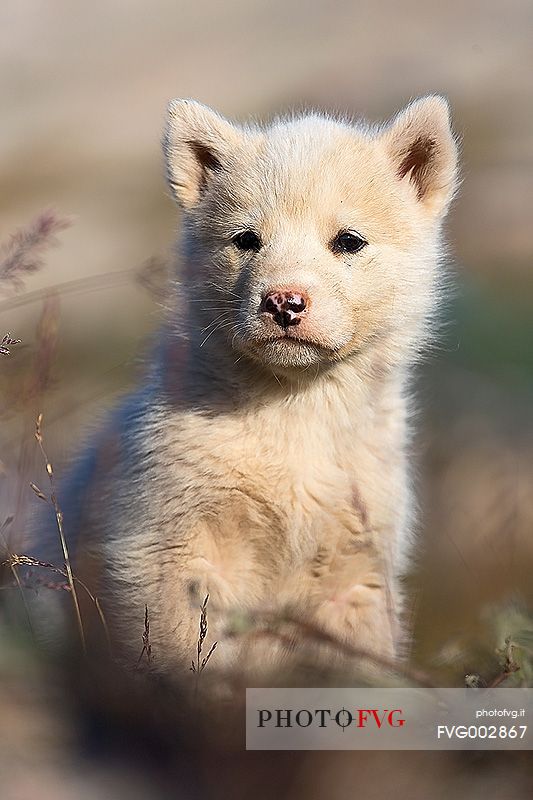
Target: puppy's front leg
352, 597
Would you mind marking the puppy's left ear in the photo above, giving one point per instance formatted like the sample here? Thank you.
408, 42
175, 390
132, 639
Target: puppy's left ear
422, 149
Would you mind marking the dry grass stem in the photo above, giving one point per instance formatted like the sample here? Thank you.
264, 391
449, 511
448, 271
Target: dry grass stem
15, 574
61, 532
6, 343
23, 254
28, 561
147, 646
201, 663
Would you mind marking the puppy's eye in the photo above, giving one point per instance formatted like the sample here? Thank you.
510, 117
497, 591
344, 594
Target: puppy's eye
348, 242
247, 240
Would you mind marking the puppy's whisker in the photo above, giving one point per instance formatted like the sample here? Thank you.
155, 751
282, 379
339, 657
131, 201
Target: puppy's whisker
222, 309
221, 318
225, 300
224, 290
219, 327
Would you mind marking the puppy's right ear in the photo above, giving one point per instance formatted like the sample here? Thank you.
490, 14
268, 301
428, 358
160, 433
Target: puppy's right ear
197, 142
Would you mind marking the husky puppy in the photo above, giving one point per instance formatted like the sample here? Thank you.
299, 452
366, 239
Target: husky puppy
264, 462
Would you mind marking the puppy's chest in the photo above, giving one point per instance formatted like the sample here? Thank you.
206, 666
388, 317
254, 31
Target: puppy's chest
299, 484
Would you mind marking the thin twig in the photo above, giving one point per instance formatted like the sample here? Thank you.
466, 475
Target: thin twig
312, 632
510, 666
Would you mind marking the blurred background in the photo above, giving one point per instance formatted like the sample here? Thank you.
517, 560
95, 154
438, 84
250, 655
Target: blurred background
83, 91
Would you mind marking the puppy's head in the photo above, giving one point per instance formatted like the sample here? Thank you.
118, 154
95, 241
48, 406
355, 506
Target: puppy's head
311, 239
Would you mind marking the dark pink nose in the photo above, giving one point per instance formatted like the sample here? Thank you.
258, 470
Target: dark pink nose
287, 306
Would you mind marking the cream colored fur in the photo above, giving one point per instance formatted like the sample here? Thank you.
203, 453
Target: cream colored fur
273, 474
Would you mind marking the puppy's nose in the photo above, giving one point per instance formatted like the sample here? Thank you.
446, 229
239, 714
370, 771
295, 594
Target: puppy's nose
286, 306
